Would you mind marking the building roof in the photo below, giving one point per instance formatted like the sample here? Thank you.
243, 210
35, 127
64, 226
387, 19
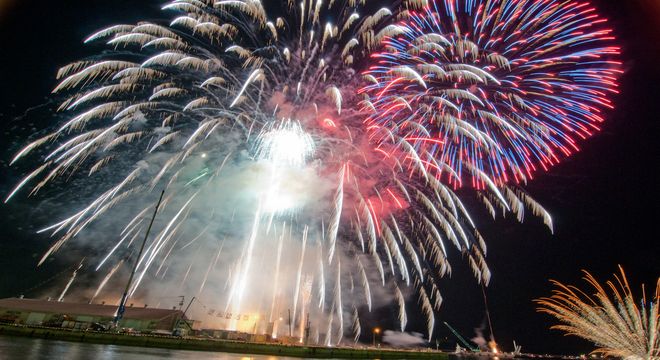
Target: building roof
137, 313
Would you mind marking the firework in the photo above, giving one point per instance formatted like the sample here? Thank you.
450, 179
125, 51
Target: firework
618, 324
289, 184
495, 90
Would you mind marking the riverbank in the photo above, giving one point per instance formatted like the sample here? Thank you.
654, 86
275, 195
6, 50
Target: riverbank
178, 343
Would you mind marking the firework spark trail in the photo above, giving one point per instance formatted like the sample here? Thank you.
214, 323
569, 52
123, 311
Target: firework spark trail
427, 308
328, 333
276, 280
68, 284
299, 274
305, 295
338, 301
403, 319
167, 255
157, 245
357, 329
106, 279
321, 279
326, 115
243, 277
185, 276
208, 270
365, 284
115, 248
336, 214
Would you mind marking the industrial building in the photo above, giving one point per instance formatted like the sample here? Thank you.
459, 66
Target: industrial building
83, 316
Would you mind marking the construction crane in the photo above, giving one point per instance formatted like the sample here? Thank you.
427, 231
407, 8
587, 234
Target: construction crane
126, 295
461, 339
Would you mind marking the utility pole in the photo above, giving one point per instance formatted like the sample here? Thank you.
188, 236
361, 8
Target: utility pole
124, 297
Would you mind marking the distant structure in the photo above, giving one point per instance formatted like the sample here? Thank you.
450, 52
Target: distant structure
85, 316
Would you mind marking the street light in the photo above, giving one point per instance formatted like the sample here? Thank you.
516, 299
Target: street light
375, 332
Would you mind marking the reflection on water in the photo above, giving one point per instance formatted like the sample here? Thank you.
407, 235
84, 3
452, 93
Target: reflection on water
14, 348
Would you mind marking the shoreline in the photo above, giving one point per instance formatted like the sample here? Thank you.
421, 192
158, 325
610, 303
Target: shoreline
213, 345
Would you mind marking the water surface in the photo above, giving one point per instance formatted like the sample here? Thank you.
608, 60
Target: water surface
15, 348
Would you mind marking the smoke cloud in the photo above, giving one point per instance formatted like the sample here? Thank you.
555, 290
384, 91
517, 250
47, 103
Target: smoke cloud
403, 339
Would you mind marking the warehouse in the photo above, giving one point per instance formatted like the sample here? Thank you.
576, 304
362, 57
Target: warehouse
83, 316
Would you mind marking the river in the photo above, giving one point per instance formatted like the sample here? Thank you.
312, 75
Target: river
15, 348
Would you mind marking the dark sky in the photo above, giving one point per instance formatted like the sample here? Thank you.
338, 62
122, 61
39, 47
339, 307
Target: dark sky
604, 199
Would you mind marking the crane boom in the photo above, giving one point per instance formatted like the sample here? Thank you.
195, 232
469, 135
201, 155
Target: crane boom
460, 338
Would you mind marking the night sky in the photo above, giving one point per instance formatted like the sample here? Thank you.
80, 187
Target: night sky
604, 200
